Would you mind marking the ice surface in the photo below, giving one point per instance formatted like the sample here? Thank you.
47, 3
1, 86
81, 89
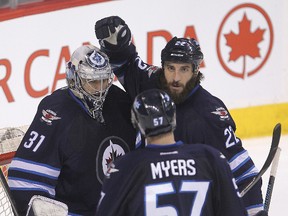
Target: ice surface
258, 149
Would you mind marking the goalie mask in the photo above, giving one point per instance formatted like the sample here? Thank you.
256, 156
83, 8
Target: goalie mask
89, 76
153, 113
183, 50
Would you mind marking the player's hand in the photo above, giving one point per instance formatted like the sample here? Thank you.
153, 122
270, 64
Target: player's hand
113, 32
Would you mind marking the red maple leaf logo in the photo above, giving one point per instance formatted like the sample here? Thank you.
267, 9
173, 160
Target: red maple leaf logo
246, 42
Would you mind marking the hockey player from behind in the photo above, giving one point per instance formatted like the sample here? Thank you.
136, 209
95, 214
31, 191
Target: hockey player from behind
77, 131
201, 117
168, 177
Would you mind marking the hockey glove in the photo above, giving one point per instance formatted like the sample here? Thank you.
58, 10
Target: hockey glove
113, 33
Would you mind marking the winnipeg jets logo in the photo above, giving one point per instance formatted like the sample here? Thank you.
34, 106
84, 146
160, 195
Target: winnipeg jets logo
222, 113
97, 60
109, 150
112, 155
48, 116
181, 43
152, 69
111, 169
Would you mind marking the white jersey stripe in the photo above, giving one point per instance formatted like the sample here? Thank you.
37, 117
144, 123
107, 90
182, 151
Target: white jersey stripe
18, 184
239, 160
32, 167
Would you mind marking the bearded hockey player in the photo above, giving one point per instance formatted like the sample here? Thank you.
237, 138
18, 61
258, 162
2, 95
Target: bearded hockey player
201, 116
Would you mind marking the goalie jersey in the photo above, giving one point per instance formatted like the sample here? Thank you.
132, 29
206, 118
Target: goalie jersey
175, 179
65, 153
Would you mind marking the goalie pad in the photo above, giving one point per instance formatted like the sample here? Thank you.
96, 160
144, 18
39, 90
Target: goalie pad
43, 206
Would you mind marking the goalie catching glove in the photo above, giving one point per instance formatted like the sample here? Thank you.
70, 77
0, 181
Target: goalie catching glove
113, 33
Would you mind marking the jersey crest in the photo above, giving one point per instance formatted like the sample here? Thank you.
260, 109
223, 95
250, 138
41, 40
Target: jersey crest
222, 113
49, 116
109, 149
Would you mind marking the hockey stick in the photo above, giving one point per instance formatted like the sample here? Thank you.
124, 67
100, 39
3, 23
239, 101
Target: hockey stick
8, 193
274, 145
271, 180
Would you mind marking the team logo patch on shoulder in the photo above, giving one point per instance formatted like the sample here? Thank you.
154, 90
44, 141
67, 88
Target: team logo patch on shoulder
151, 70
48, 116
222, 113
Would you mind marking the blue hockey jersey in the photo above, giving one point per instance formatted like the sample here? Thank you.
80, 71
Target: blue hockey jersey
175, 179
201, 118
65, 153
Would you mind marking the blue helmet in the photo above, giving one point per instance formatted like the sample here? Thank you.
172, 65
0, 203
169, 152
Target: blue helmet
153, 113
183, 50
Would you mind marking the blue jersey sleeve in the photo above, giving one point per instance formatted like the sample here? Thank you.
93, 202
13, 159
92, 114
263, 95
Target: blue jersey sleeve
36, 165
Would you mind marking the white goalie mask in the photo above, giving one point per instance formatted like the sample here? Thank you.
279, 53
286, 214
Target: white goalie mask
89, 76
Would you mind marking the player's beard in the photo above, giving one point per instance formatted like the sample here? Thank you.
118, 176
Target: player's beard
178, 97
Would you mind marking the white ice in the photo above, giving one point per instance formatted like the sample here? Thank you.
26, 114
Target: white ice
258, 149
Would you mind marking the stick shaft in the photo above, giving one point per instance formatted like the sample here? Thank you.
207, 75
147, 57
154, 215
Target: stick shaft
272, 180
273, 148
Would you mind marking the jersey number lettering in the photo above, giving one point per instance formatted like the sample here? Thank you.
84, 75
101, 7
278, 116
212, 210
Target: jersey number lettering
34, 141
153, 191
231, 138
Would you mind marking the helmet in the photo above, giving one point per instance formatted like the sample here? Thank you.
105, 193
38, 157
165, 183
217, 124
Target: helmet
88, 64
153, 113
183, 50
